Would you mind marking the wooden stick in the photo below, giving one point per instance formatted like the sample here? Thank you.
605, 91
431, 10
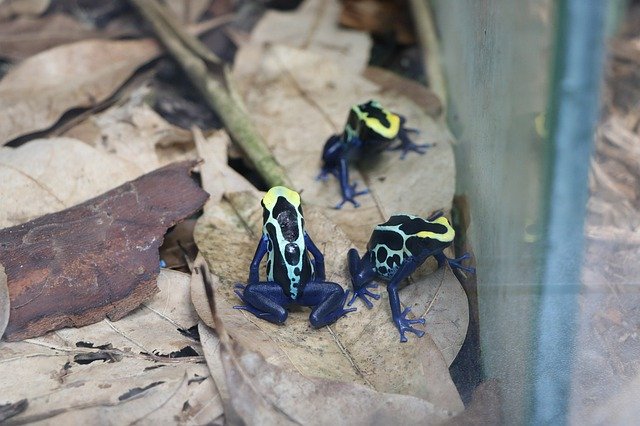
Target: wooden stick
208, 75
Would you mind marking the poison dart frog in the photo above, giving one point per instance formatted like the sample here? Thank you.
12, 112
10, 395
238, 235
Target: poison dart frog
292, 277
370, 129
395, 250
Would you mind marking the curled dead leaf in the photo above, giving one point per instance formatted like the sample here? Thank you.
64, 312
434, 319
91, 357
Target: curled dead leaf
97, 259
35, 94
135, 369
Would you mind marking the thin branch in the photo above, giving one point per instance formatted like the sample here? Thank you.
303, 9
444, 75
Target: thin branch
209, 77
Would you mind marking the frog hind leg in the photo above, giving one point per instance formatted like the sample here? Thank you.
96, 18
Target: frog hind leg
331, 153
406, 144
362, 273
327, 300
264, 299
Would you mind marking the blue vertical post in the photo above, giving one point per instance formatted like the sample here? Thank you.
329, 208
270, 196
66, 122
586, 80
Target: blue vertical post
573, 116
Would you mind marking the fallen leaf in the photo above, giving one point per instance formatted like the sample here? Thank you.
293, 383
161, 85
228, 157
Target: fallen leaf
11, 8
135, 133
122, 371
217, 176
258, 392
298, 98
4, 302
35, 94
97, 259
54, 174
363, 348
26, 36
485, 407
313, 26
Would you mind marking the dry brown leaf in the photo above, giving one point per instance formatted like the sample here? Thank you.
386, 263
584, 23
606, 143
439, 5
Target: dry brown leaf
299, 98
313, 26
363, 348
4, 302
53, 174
11, 8
26, 36
34, 94
262, 393
135, 133
128, 375
217, 176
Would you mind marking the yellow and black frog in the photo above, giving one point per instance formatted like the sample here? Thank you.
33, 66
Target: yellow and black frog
292, 277
395, 250
370, 129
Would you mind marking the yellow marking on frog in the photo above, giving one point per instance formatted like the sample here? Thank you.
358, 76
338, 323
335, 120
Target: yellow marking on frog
374, 124
271, 197
446, 237
388, 132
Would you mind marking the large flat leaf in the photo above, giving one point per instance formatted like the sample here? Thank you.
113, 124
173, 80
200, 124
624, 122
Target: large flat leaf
255, 391
54, 174
299, 94
34, 94
362, 348
139, 369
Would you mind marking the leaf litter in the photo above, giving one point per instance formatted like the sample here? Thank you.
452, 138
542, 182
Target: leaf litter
130, 383
331, 111
300, 96
35, 94
256, 391
104, 252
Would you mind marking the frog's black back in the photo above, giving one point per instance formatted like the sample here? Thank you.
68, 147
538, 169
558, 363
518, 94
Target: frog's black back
394, 241
288, 262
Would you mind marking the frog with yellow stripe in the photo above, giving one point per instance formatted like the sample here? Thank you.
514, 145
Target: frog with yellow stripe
395, 250
370, 129
292, 277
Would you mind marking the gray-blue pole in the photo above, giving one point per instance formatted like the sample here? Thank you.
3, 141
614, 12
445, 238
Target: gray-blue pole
573, 114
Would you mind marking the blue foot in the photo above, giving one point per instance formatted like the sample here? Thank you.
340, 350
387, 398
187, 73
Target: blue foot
362, 293
404, 325
342, 311
411, 147
457, 264
324, 175
349, 195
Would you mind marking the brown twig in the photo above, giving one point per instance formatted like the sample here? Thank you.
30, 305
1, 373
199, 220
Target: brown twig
208, 75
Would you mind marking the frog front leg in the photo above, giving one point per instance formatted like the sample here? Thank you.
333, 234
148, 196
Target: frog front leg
318, 257
362, 272
349, 192
327, 300
331, 153
265, 300
400, 318
406, 144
